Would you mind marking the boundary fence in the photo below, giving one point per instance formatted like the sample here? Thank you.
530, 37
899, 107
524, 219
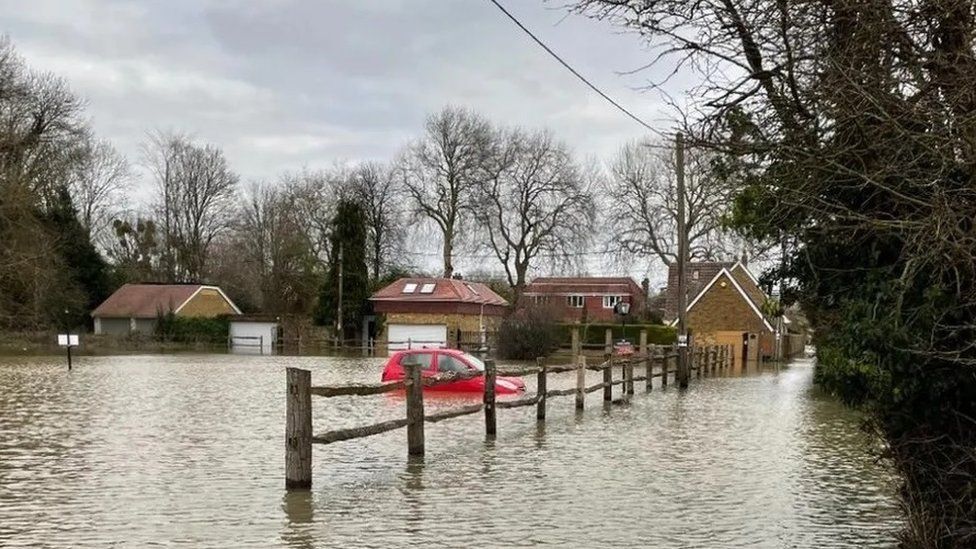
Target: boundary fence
657, 361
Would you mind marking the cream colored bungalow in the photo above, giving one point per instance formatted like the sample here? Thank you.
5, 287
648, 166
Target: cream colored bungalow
135, 307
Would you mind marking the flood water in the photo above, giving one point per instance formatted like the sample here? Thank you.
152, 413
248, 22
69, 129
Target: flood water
188, 450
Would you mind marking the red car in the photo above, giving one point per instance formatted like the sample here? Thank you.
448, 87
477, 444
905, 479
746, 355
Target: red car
438, 361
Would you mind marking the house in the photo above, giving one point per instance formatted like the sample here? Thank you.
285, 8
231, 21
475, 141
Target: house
135, 307
588, 298
435, 312
724, 307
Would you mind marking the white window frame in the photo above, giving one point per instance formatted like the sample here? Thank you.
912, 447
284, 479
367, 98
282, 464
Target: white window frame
572, 300
610, 301
428, 288
409, 287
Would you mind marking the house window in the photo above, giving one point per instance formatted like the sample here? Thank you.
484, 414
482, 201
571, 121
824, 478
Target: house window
409, 288
540, 299
427, 288
575, 301
609, 301
694, 275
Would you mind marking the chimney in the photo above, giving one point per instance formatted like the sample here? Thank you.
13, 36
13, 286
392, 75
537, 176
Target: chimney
646, 286
745, 258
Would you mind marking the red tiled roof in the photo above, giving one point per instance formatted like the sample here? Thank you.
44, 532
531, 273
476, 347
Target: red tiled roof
583, 285
145, 300
445, 290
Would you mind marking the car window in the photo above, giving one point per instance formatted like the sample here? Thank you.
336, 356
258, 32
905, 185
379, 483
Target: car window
475, 361
447, 363
424, 359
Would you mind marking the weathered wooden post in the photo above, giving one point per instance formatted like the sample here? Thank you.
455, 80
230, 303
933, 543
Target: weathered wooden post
607, 377
665, 358
540, 391
714, 361
629, 376
298, 429
644, 351
698, 361
490, 425
576, 343
580, 382
415, 410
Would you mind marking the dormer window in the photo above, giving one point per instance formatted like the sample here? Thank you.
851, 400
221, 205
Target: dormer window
427, 288
409, 288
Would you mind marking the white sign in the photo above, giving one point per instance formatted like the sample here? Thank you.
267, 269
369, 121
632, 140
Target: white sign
68, 340
682, 340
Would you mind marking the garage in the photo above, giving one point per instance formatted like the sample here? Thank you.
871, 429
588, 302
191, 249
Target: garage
253, 336
416, 336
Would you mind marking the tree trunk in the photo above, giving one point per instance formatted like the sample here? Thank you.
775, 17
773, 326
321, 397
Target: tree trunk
448, 254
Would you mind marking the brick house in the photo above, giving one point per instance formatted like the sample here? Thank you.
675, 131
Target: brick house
434, 312
724, 306
590, 297
135, 307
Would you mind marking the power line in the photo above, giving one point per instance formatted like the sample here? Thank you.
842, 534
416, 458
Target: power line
571, 69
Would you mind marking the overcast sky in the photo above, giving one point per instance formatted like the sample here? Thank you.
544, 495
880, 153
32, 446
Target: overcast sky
286, 84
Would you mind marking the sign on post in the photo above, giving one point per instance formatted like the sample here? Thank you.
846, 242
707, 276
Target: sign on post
682, 340
68, 341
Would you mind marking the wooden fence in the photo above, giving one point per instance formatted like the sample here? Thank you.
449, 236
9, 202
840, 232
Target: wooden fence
656, 361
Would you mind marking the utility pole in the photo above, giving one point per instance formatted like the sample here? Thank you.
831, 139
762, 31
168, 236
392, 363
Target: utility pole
339, 301
683, 372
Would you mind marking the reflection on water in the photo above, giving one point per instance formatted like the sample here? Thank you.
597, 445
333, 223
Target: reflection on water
153, 450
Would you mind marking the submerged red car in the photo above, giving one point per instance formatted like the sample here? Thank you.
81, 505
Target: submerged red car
439, 361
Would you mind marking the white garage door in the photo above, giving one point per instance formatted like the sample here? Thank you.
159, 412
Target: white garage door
416, 336
253, 337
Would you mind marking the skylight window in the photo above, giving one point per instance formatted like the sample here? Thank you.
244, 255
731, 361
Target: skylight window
409, 288
427, 288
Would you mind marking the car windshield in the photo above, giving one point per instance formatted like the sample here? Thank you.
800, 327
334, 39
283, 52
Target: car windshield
475, 361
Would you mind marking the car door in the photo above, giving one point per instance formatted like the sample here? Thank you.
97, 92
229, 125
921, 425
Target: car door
448, 363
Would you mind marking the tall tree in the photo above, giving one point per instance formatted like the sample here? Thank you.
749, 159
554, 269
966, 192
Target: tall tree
533, 201
641, 210
349, 258
377, 190
135, 250
98, 187
195, 192
440, 172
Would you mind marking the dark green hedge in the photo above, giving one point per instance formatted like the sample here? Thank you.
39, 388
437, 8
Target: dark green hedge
657, 334
170, 327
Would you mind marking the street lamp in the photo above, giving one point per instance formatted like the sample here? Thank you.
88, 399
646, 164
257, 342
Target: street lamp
622, 308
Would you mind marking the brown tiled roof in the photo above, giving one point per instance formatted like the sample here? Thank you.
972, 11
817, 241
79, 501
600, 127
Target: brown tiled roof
145, 300
583, 285
706, 272
445, 290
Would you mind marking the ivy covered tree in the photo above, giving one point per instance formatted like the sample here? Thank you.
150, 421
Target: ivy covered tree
348, 254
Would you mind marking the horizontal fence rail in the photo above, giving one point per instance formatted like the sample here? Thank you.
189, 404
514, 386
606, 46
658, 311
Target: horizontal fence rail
657, 362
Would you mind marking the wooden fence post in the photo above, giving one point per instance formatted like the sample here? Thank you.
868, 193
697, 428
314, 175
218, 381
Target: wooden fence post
645, 352
629, 376
664, 366
576, 342
698, 361
607, 377
580, 382
714, 361
540, 391
298, 429
490, 424
415, 410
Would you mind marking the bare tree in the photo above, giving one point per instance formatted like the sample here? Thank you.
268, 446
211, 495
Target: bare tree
98, 187
440, 172
378, 191
195, 190
641, 210
533, 202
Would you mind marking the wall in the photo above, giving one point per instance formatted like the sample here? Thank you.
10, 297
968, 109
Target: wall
207, 303
453, 321
594, 309
145, 325
249, 330
725, 309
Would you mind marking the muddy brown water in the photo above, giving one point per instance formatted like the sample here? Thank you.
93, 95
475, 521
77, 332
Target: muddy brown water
187, 450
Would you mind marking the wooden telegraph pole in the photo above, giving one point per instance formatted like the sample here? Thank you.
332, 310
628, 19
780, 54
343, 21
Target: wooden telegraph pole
338, 336
679, 151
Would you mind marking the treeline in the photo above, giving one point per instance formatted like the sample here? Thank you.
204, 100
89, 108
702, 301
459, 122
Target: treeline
509, 201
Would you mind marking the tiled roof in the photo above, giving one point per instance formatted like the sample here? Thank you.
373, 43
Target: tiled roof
441, 290
582, 285
145, 300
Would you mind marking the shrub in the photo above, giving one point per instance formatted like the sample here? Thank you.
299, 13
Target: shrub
170, 327
528, 333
